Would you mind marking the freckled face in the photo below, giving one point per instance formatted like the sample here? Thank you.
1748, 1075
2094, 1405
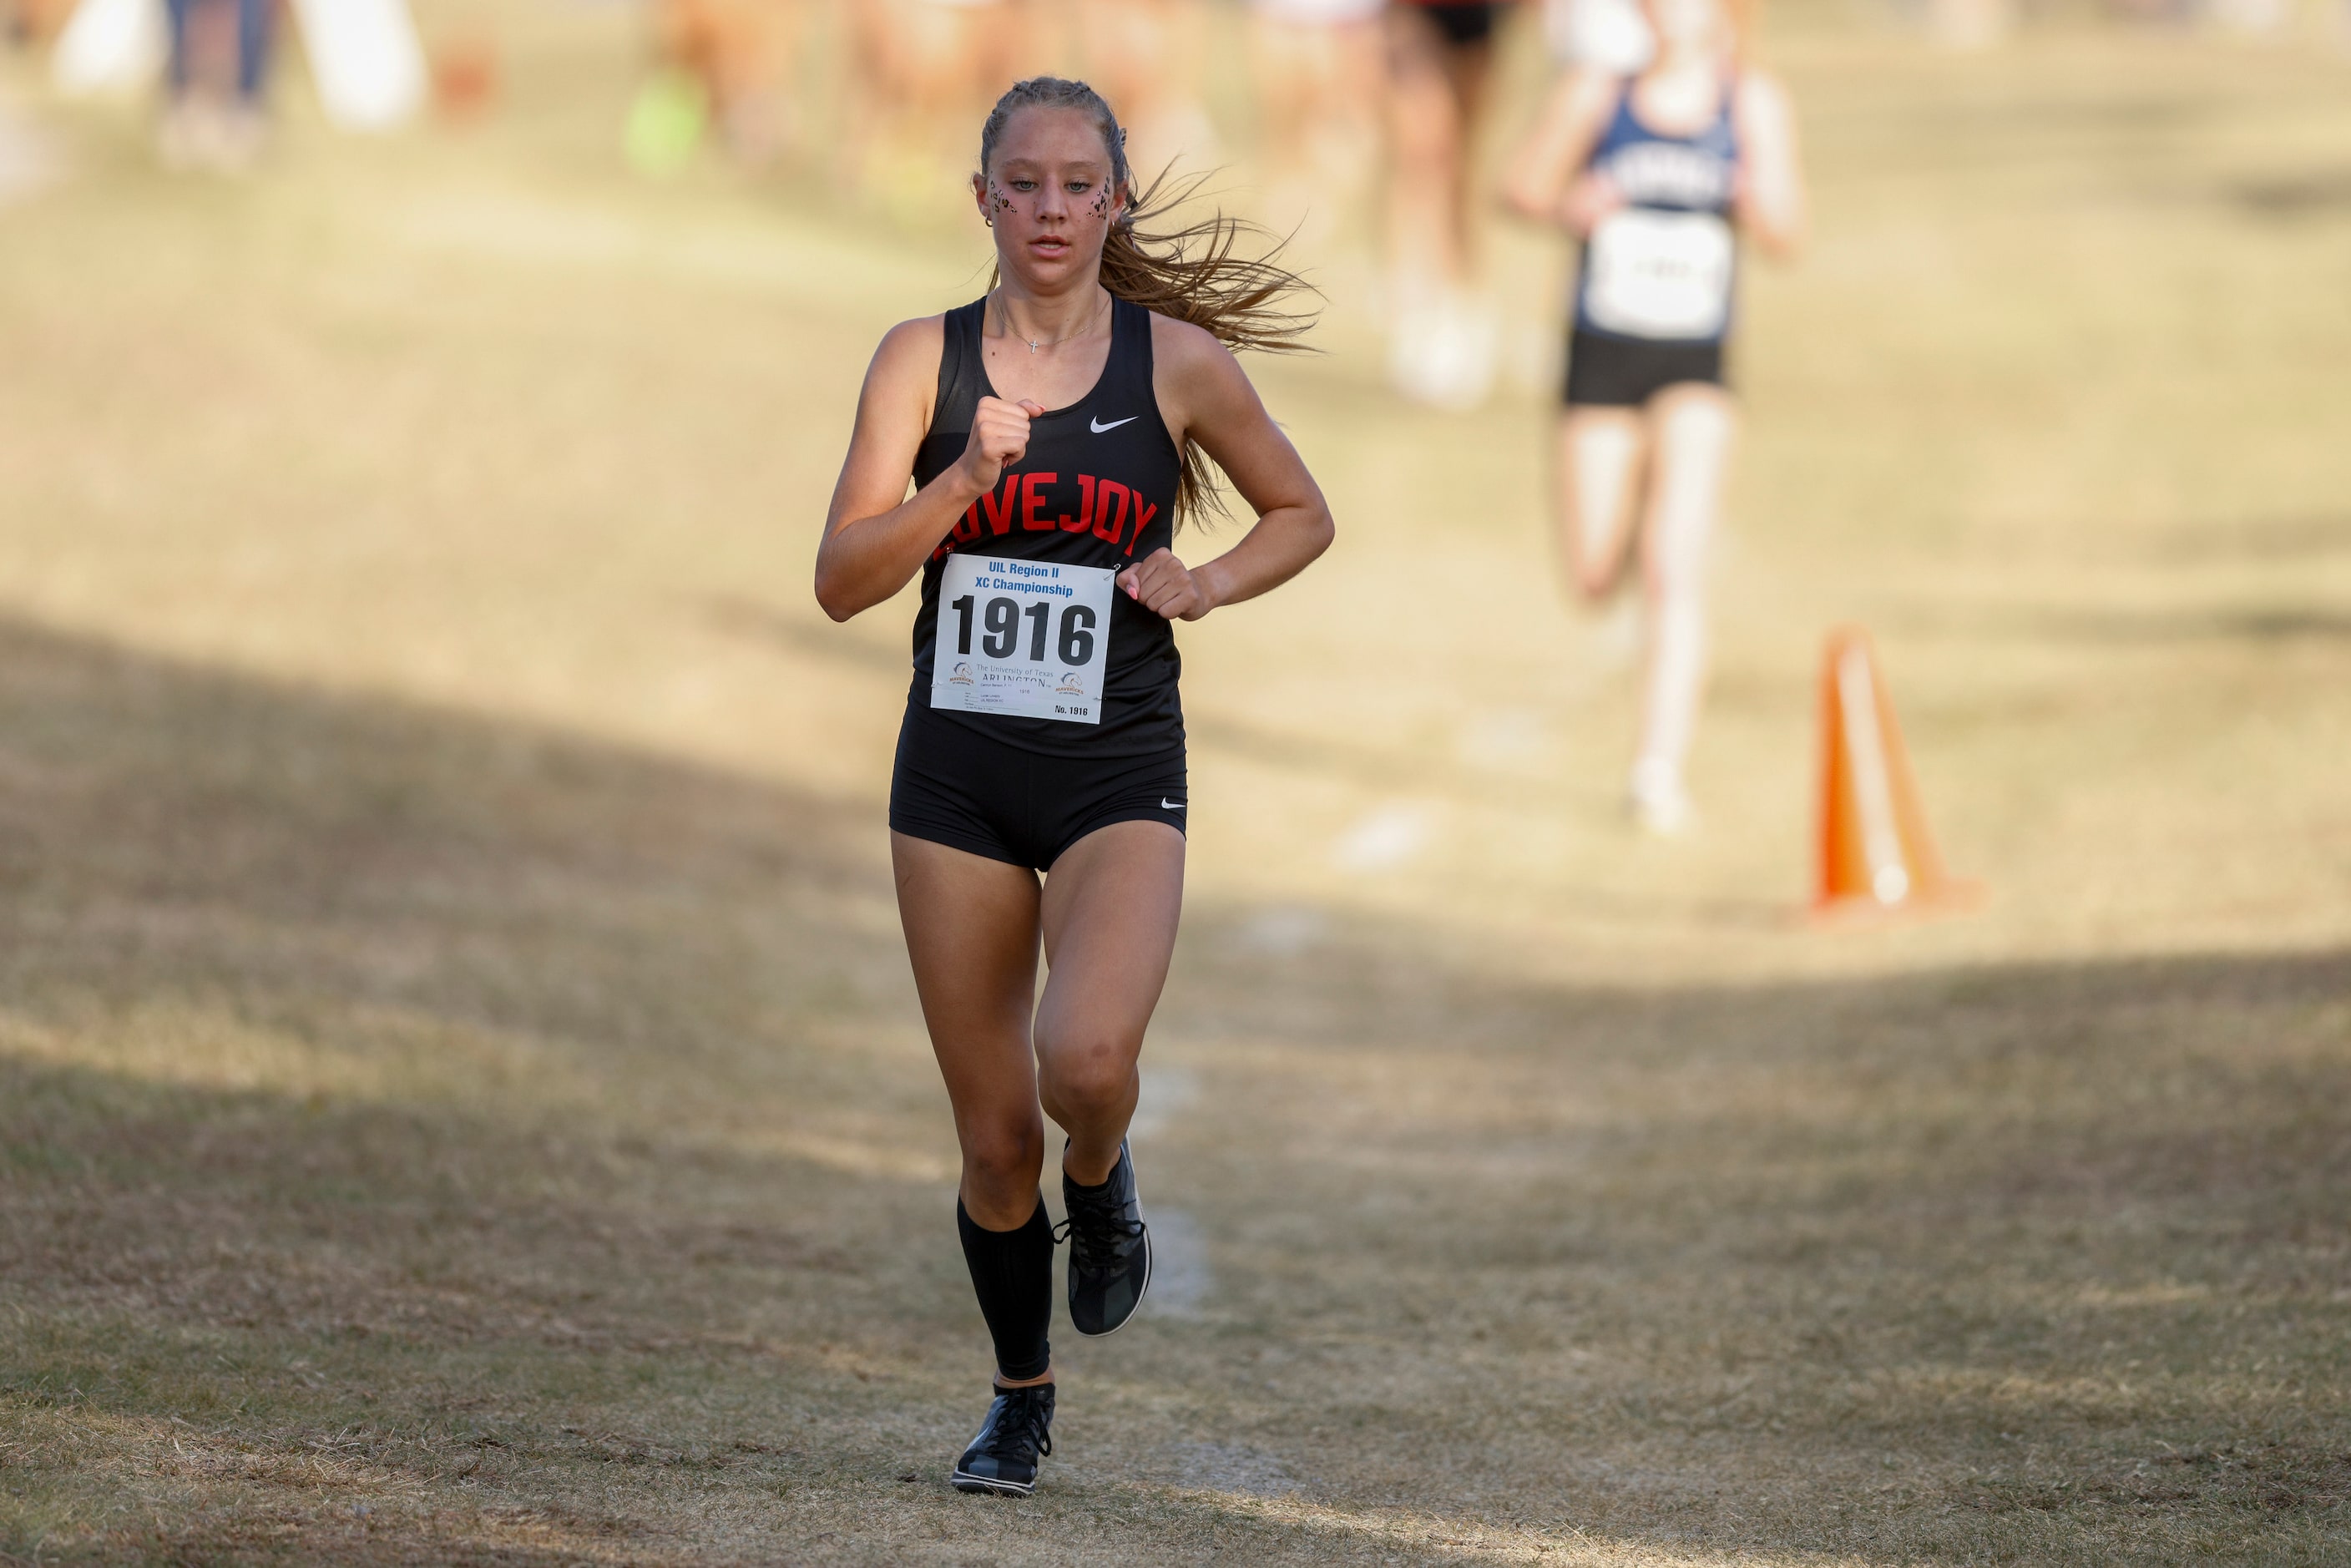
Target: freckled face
1048, 194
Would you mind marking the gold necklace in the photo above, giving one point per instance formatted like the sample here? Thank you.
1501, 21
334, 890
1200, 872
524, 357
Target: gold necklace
1034, 344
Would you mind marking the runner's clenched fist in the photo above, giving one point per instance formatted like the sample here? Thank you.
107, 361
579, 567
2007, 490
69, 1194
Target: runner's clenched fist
1165, 585
999, 438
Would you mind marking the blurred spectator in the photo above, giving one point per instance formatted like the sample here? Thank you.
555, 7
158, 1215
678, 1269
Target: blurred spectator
741, 52
32, 22
926, 71
1144, 56
1443, 328
1321, 71
219, 63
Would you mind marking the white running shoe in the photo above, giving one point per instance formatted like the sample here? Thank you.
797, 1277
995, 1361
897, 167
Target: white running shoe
1659, 803
1442, 352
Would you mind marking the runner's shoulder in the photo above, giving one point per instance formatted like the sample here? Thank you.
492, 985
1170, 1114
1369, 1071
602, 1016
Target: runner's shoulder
1183, 350
906, 363
918, 340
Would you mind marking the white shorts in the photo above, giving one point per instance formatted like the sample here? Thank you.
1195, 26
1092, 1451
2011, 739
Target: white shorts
1318, 13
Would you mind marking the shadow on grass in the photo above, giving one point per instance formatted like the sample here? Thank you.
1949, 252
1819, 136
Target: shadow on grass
516, 1138
2326, 193
2266, 626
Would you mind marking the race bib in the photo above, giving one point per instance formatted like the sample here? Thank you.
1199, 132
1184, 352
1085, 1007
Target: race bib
1650, 274
1023, 637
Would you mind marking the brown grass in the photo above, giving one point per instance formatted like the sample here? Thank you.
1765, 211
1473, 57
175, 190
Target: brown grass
460, 1096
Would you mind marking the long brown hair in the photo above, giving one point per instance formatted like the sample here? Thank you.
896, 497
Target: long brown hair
1194, 271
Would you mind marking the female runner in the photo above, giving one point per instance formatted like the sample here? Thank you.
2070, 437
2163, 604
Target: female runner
1055, 430
1652, 172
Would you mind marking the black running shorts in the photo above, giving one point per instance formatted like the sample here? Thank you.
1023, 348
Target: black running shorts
1625, 373
1464, 23
955, 785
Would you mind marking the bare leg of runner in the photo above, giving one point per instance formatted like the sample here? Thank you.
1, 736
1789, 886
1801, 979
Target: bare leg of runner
1321, 90
1692, 432
1108, 913
971, 926
1110, 907
1600, 452
1442, 348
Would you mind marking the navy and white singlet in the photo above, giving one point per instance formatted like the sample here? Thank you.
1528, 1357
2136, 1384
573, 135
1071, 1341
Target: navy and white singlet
1096, 488
1654, 294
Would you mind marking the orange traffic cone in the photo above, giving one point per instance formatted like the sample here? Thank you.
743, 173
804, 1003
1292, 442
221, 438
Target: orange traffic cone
1876, 856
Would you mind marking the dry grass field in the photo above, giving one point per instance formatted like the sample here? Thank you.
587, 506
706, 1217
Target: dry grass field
461, 1095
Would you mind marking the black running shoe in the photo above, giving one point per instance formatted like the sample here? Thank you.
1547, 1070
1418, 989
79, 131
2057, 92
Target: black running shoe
1110, 1250
1019, 1432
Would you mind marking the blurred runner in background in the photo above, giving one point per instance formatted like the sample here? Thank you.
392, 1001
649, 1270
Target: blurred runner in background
1145, 55
1652, 172
1443, 331
219, 63
1320, 72
742, 52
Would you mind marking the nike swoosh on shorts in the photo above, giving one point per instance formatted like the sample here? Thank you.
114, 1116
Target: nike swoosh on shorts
1097, 427
1167, 805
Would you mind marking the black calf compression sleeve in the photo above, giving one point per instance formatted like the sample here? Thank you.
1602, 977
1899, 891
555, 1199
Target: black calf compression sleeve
1012, 1273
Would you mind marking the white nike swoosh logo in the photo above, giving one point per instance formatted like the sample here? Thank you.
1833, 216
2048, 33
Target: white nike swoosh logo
1167, 805
1097, 427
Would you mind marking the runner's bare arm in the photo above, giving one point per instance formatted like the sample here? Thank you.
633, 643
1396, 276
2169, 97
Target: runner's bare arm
1771, 201
876, 537
1206, 397
1547, 163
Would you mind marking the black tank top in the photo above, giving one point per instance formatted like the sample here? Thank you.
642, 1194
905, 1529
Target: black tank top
1097, 488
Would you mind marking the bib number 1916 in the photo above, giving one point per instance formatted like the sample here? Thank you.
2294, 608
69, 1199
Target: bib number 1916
1023, 637
1002, 637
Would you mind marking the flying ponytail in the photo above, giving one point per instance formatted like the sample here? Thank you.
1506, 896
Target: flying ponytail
1193, 272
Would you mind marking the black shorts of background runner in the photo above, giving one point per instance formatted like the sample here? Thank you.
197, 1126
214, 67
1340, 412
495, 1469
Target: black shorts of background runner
955, 785
1625, 373
1464, 23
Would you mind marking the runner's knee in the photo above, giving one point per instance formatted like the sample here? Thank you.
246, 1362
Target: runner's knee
1594, 578
1088, 1073
1673, 587
1003, 1158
